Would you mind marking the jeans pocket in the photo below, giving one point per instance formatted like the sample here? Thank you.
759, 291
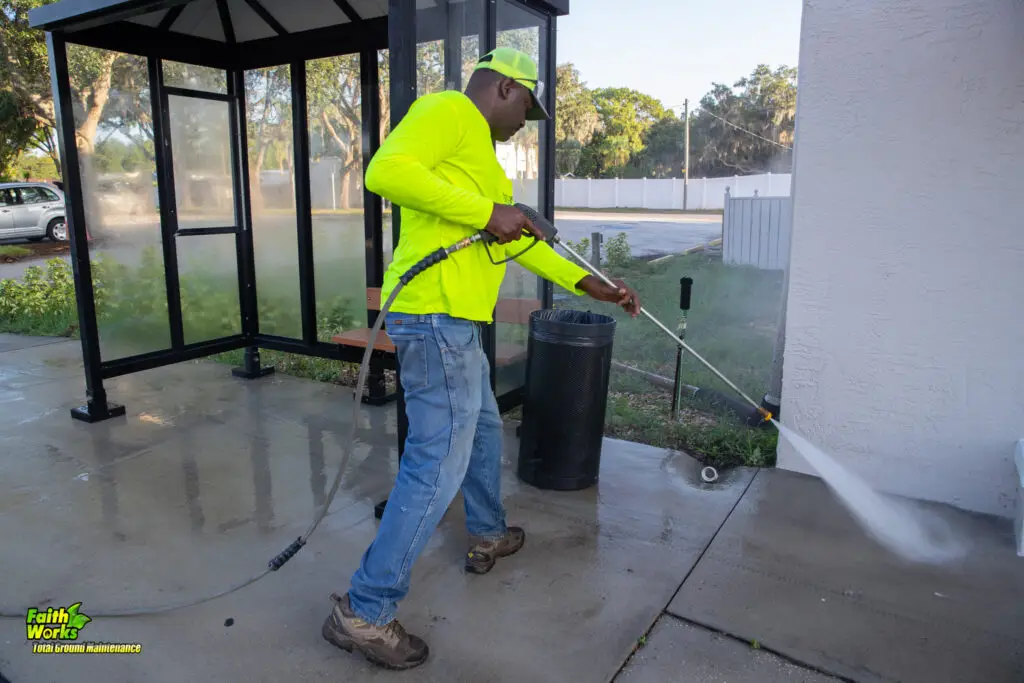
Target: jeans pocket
411, 349
456, 335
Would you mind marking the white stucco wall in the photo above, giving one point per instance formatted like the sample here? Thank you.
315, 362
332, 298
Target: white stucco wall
905, 330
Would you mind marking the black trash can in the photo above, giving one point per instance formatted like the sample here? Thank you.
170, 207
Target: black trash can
569, 358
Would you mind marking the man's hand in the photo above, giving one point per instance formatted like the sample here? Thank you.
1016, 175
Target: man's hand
508, 224
621, 294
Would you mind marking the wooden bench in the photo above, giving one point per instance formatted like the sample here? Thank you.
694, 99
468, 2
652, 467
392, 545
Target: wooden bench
509, 311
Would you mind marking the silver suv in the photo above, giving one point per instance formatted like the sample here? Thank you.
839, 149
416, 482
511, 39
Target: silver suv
32, 211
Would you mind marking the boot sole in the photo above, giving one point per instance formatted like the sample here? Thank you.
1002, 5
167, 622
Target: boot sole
349, 645
483, 569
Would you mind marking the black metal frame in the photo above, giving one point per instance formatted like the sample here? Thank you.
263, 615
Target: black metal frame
102, 24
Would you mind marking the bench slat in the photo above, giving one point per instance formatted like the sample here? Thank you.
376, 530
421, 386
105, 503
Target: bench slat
361, 338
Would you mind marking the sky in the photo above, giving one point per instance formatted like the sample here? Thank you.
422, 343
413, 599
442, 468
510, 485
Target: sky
675, 49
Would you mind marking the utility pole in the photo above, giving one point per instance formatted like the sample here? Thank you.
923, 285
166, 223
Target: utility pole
686, 152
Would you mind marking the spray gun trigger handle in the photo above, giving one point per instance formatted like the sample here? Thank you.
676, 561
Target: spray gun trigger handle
543, 225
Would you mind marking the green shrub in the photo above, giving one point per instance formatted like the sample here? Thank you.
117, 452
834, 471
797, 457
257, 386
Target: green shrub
617, 251
131, 305
582, 247
41, 291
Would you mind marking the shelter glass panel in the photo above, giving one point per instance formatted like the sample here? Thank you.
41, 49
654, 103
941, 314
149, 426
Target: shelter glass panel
268, 113
334, 110
195, 77
119, 190
208, 273
201, 147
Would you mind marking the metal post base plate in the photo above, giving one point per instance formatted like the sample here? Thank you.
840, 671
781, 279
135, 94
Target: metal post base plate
253, 374
379, 400
92, 413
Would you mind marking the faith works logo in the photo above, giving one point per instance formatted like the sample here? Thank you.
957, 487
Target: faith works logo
56, 631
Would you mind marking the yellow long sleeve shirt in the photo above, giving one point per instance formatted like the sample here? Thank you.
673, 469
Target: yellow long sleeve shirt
439, 166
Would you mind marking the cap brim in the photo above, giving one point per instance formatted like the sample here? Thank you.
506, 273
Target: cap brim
538, 112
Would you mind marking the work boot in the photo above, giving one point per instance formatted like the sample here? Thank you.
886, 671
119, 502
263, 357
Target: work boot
387, 646
483, 553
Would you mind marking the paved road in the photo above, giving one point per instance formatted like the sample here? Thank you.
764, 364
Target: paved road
647, 233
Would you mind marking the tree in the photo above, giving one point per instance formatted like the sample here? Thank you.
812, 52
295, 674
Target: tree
24, 68
335, 114
664, 152
576, 116
576, 119
747, 128
268, 113
625, 116
16, 130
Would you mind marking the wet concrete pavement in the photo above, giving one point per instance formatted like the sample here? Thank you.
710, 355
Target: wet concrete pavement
678, 652
792, 570
207, 477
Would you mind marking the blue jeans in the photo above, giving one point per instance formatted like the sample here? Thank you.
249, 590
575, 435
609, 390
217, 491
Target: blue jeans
454, 441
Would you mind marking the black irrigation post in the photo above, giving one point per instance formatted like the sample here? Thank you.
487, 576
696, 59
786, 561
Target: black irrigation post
97, 407
685, 288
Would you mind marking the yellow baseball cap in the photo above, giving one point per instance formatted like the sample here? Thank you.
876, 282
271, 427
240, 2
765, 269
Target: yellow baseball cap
520, 67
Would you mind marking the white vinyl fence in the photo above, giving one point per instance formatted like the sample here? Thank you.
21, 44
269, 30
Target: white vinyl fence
667, 193
756, 231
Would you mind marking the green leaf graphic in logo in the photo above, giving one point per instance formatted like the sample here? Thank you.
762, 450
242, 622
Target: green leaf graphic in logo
76, 620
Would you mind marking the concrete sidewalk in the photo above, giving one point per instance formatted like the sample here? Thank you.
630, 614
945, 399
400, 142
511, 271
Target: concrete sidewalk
649, 576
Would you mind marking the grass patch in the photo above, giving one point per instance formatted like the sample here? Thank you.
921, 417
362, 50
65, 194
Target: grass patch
13, 251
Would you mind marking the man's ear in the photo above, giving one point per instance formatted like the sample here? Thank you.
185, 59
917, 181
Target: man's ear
505, 88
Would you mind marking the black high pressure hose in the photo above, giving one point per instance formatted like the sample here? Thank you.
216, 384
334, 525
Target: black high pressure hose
288, 553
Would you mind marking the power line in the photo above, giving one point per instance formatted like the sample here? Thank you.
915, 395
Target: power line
748, 132
739, 128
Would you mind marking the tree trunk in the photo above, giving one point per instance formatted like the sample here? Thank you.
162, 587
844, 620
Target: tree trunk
346, 190
255, 189
85, 137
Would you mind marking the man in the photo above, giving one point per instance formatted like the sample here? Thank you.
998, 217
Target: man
440, 167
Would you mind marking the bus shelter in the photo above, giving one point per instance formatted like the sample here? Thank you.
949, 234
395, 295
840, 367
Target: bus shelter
212, 156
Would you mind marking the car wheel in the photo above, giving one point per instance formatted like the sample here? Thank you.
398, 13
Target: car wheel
57, 230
